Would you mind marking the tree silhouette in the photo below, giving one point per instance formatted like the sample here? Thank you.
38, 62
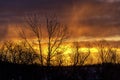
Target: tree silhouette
33, 23
17, 53
78, 57
107, 52
56, 34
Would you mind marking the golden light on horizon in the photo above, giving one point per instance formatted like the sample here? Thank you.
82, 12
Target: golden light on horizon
68, 50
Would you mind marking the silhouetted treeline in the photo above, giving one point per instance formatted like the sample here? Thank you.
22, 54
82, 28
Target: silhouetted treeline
19, 53
23, 53
19, 62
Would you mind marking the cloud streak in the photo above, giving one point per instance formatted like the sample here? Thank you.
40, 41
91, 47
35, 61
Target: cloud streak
98, 20
85, 18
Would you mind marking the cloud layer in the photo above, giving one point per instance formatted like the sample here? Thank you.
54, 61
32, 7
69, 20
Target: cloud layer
88, 18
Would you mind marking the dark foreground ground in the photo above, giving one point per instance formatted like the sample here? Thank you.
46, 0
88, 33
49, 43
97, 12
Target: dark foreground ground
9, 71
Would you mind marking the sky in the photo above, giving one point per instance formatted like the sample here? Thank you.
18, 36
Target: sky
86, 19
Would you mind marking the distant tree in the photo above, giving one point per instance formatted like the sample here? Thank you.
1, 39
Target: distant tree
118, 58
3, 53
75, 55
59, 58
17, 53
78, 57
9, 52
107, 52
24, 54
112, 55
101, 47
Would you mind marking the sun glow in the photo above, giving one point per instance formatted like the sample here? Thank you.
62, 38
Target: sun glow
67, 51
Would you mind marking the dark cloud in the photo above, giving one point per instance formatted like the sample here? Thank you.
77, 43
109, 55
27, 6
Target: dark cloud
15, 9
90, 18
109, 1
96, 19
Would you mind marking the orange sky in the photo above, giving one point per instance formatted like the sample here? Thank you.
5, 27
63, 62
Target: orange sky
86, 19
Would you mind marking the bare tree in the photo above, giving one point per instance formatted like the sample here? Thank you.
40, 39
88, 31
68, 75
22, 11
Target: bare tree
59, 58
24, 54
11, 55
84, 56
17, 53
3, 53
112, 55
78, 57
34, 25
107, 52
101, 47
118, 58
56, 34
76, 54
